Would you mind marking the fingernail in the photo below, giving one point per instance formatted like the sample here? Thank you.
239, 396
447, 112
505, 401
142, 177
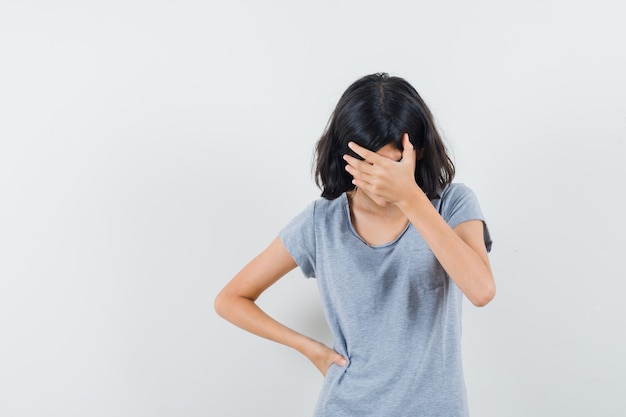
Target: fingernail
343, 362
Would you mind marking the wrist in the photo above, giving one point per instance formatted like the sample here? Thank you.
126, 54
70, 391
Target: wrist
415, 198
305, 345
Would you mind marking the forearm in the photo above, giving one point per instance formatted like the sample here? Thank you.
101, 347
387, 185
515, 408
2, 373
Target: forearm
236, 303
471, 273
246, 314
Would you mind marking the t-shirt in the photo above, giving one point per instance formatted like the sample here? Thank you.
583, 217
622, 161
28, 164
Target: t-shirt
393, 312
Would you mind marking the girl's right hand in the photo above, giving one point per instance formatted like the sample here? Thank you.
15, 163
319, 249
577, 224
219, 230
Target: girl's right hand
323, 357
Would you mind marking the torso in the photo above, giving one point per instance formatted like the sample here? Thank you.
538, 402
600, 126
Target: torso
392, 310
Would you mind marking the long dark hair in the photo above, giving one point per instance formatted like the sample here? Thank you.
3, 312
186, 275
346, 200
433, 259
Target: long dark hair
374, 111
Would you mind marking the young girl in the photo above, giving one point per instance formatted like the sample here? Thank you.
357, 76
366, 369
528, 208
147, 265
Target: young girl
394, 245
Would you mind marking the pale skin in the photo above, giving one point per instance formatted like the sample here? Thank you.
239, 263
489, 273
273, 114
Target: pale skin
385, 199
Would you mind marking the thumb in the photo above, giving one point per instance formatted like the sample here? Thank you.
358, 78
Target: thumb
408, 152
340, 360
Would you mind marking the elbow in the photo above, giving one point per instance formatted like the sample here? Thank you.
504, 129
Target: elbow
484, 297
219, 304
227, 303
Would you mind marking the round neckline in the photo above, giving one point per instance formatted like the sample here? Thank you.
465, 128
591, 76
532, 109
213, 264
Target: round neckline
346, 205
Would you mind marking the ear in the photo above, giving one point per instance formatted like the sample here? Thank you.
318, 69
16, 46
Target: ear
420, 153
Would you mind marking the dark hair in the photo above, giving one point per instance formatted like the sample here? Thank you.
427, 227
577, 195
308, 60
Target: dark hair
374, 111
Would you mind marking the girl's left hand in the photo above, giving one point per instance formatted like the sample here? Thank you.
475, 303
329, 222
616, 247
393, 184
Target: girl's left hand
384, 179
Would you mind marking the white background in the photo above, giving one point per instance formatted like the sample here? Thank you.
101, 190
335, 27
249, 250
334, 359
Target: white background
149, 149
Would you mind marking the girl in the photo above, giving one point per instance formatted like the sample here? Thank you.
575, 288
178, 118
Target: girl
394, 245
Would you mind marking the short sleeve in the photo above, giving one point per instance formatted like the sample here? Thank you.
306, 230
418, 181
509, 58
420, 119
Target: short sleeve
298, 236
459, 204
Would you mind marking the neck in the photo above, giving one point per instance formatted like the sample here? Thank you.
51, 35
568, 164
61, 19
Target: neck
362, 202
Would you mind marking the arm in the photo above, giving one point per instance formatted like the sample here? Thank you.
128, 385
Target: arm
461, 251
236, 303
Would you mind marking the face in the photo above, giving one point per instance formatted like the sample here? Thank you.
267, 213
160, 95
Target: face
393, 153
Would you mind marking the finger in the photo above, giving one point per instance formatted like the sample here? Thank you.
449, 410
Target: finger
408, 152
341, 361
363, 185
358, 174
371, 190
369, 156
357, 163
360, 184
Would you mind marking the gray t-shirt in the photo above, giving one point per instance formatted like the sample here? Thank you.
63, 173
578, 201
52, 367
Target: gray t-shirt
392, 310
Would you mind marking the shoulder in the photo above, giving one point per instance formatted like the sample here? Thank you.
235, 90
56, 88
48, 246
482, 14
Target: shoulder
320, 208
323, 207
458, 203
456, 190
457, 193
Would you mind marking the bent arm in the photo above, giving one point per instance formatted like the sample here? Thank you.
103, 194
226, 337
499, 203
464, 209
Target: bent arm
461, 251
236, 303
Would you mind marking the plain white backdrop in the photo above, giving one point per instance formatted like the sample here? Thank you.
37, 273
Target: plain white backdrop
149, 149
